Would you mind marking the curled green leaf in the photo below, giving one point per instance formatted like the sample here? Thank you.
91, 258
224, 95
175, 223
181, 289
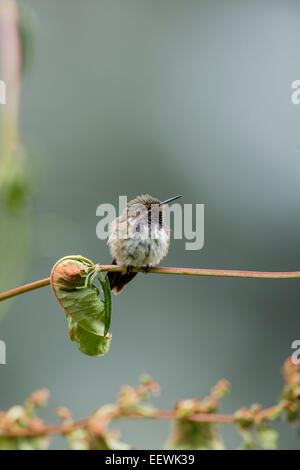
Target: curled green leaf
88, 343
72, 285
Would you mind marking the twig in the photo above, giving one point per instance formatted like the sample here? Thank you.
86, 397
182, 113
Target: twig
166, 270
159, 414
185, 410
26, 288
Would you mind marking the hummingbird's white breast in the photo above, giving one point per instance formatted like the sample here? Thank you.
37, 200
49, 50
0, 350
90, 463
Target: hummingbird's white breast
142, 247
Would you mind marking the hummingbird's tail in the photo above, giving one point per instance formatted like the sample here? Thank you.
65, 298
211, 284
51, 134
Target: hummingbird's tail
117, 280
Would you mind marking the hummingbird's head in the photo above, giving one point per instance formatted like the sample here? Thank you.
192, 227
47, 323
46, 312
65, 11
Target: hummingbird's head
146, 207
148, 201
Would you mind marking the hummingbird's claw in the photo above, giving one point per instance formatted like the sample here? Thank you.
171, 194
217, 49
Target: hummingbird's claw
129, 269
147, 268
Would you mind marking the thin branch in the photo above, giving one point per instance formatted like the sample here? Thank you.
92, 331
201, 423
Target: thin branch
97, 423
26, 288
64, 428
166, 270
158, 414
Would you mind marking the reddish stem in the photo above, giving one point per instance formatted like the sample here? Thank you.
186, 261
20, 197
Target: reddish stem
166, 270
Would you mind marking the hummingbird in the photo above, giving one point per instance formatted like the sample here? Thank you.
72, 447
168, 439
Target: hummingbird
138, 238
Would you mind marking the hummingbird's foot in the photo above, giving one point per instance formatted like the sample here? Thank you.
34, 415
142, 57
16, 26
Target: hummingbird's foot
146, 268
129, 269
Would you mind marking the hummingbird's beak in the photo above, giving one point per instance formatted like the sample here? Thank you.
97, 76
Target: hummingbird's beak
170, 200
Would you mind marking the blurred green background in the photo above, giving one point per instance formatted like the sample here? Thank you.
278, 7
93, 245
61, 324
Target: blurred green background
167, 97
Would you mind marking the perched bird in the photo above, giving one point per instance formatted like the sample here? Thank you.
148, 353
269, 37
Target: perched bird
139, 237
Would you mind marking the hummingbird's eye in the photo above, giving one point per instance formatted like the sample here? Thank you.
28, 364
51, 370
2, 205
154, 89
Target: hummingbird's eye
138, 228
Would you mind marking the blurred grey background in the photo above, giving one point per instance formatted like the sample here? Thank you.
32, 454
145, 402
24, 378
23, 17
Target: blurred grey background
167, 97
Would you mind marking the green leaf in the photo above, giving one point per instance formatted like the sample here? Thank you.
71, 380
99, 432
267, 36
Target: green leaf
146, 409
8, 443
112, 443
24, 443
96, 436
107, 442
248, 440
189, 435
33, 443
78, 439
88, 343
267, 437
85, 311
